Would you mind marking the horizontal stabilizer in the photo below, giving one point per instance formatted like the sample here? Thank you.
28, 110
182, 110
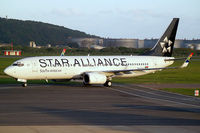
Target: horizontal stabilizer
63, 52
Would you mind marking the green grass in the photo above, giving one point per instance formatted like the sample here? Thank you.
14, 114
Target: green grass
8, 80
184, 91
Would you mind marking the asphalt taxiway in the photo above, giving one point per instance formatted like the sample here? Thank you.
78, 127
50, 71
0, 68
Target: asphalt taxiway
75, 108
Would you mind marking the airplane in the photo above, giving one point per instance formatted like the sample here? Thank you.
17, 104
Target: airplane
98, 69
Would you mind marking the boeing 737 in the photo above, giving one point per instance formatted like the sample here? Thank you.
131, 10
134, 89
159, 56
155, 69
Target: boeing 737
98, 69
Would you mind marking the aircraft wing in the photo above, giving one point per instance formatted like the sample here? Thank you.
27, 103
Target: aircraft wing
185, 64
139, 69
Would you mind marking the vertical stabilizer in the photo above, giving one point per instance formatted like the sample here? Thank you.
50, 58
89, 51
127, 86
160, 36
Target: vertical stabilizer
165, 45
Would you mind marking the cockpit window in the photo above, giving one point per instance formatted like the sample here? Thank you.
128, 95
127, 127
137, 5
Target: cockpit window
19, 64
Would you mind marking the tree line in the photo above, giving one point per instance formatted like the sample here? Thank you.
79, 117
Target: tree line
22, 32
28, 51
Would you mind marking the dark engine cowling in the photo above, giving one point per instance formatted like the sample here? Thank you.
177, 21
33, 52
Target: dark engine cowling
94, 78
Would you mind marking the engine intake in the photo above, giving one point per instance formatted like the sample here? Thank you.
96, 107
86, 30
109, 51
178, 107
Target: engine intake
94, 78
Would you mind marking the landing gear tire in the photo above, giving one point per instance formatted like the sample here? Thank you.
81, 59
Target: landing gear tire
24, 84
108, 84
85, 84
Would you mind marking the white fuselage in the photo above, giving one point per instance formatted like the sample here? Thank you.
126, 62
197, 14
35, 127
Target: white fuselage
72, 67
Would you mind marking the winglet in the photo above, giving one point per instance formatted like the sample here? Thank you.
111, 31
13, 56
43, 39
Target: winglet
63, 52
186, 62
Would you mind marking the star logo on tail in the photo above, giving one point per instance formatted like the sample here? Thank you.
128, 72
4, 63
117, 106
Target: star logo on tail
166, 45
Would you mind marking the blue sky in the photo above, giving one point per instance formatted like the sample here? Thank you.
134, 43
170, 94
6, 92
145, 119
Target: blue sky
111, 18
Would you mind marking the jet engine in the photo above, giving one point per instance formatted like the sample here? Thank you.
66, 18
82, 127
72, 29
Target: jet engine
94, 78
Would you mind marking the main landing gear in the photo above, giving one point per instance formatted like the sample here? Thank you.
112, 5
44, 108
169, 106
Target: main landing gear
24, 84
108, 84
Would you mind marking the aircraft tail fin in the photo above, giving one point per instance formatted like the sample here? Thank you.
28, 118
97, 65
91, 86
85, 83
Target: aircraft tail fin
63, 52
165, 45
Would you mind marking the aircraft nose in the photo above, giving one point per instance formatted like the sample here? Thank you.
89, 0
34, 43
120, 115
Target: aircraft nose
6, 71
9, 71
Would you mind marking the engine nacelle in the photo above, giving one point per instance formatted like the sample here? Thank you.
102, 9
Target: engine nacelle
94, 78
